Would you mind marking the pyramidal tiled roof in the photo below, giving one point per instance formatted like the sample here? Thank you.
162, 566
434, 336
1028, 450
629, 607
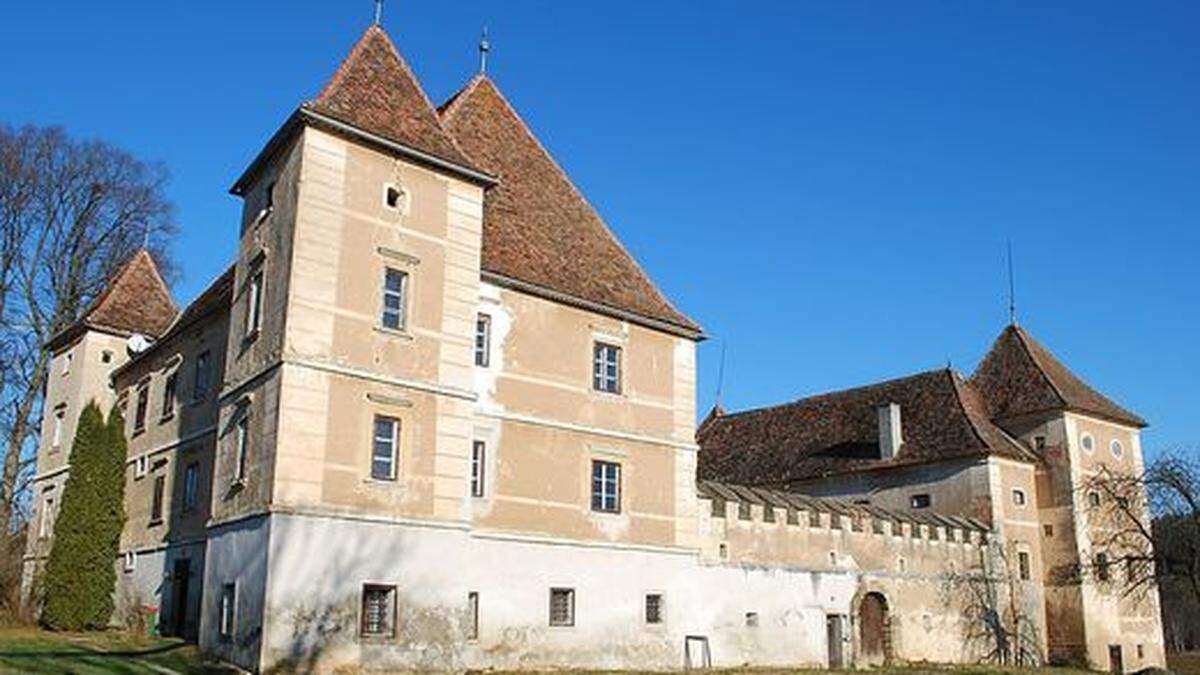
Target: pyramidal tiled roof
375, 91
1019, 376
838, 432
537, 227
135, 300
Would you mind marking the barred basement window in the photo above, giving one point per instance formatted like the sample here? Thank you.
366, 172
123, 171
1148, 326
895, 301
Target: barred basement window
562, 607
606, 371
654, 608
921, 501
378, 610
606, 486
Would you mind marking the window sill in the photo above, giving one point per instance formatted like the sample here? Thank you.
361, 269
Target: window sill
401, 333
166, 418
155, 521
251, 337
138, 432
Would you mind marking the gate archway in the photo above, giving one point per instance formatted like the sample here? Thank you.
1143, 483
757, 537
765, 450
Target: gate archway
874, 630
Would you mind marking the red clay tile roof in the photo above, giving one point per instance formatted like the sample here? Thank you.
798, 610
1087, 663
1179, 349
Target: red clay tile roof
941, 419
136, 300
374, 90
1019, 376
537, 227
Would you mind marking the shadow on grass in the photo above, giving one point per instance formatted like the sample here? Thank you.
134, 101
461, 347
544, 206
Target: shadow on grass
84, 651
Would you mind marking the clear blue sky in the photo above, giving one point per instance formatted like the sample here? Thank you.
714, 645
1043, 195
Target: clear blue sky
827, 187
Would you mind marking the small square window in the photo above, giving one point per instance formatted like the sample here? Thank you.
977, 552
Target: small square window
1048, 530
606, 486
752, 619
384, 447
395, 291
606, 370
921, 501
1094, 499
106, 356
562, 607
1018, 497
378, 610
1039, 442
395, 198
654, 608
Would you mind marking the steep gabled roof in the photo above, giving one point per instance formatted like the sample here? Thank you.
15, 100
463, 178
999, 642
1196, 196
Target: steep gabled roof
834, 433
375, 91
135, 300
538, 228
1019, 376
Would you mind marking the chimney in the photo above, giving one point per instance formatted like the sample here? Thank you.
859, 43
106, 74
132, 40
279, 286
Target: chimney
890, 435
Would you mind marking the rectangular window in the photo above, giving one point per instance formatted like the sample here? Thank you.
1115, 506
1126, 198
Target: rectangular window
378, 610
143, 402
156, 499
562, 607
483, 340
168, 397
1018, 497
606, 371
478, 451
1101, 564
228, 610
395, 287
191, 486
1048, 530
1023, 564
67, 362
47, 517
384, 446
254, 295
241, 447
752, 619
921, 501
201, 380
472, 615
59, 416
1039, 442
654, 608
606, 486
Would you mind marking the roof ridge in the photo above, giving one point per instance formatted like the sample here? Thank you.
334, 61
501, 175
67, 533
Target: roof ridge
961, 386
1022, 339
848, 390
450, 107
579, 194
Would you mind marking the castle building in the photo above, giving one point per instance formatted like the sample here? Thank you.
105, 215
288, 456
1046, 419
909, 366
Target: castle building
435, 416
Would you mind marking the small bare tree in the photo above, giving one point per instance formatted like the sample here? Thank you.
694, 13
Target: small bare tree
998, 611
1145, 528
70, 213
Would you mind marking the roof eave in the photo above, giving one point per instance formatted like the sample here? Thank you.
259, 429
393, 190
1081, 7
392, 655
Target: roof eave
694, 334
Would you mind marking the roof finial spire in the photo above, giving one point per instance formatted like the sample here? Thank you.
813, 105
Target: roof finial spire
1012, 289
484, 48
721, 374
378, 11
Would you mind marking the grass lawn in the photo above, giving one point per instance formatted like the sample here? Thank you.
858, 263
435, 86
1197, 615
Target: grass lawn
1187, 662
28, 650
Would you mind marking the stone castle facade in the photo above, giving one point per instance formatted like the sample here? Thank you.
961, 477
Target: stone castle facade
435, 416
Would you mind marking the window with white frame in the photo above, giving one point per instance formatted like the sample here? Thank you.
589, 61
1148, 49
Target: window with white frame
606, 486
47, 519
378, 610
241, 444
606, 368
562, 606
1116, 448
167, 410
130, 562
141, 466
202, 377
254, 299
228, 610
385, 445
1087, 442
483, 340
191, 486
654, 608
395, 287
478, 458
1018, 497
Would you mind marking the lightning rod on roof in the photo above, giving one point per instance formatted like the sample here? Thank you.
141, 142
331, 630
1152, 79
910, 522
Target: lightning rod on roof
1012, 289
721, 373
378, 11
484, 48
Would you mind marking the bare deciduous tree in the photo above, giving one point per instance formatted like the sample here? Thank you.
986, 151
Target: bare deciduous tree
998, 608
70, 213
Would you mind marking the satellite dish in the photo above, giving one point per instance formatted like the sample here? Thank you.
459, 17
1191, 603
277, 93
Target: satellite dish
137, 343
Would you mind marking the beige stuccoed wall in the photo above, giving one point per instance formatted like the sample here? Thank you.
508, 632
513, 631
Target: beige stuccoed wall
544, 424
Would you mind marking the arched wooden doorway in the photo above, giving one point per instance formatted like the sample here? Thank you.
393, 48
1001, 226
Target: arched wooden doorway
874, 641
